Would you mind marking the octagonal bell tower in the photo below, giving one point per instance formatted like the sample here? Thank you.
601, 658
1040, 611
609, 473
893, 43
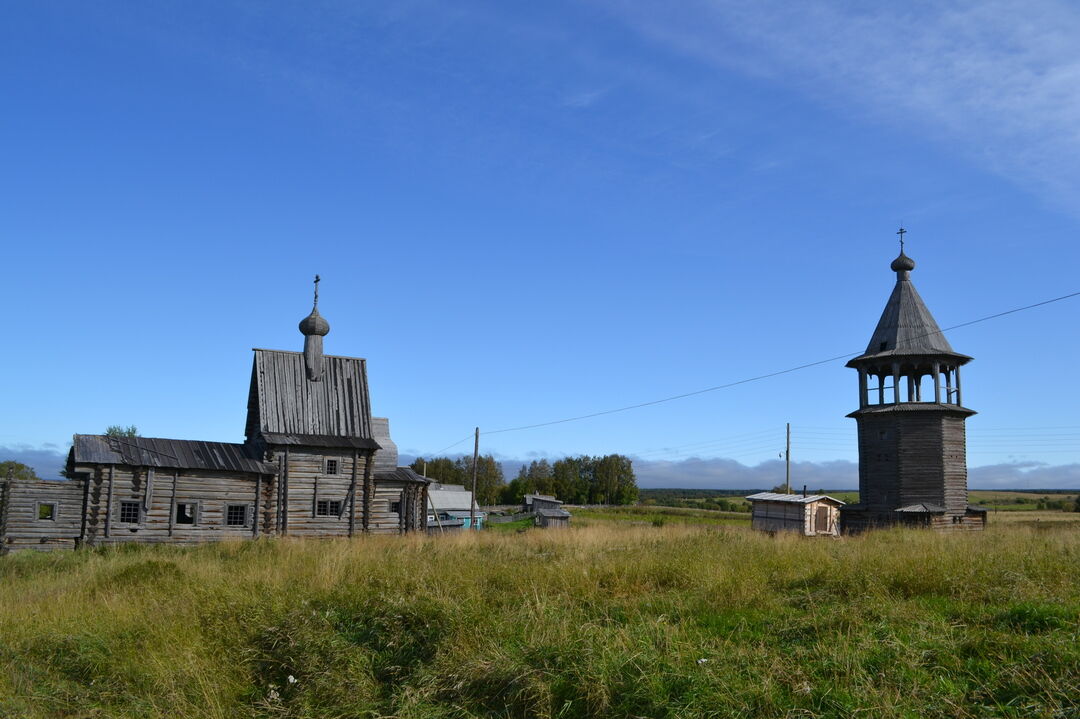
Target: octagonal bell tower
911, 421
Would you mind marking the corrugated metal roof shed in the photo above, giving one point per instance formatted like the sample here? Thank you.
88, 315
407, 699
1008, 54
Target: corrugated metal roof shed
795, 498
175, 453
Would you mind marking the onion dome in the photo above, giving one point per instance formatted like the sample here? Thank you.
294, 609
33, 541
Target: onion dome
314, 324
314, 328
903, 263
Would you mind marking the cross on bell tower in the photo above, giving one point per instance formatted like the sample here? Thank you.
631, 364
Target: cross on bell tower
911, 420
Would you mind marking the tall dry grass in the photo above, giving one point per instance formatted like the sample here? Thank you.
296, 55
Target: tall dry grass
673, 621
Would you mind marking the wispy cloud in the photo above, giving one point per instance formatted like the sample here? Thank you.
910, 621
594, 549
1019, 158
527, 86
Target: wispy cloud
719, 473
584, 99
996, 80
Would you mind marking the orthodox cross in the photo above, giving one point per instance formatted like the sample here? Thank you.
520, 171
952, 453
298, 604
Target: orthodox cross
318, 280
900, 232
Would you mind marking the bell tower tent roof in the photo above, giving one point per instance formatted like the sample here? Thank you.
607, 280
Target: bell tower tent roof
906, 327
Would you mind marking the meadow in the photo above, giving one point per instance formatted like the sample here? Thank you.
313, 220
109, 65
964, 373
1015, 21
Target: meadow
610, 619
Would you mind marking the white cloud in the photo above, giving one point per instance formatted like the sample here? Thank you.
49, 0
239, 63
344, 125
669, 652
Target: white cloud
996, 80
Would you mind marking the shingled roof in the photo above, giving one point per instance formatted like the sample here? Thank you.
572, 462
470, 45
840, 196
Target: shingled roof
286, 407
906, 326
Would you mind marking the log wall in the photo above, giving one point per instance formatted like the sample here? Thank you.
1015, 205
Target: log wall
157, 494
89, 509
912, 458
20, 524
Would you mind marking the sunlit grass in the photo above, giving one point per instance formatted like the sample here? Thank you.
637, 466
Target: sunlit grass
605, 620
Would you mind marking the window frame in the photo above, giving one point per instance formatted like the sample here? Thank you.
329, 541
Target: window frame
195, 514
247, 514
138, 511
335, 462
325, 508
55, 511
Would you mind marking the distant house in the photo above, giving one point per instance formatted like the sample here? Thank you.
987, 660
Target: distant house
547, 510
811, 515
448, 508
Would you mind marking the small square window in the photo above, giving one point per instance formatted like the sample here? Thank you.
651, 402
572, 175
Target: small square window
129, 512
395, 507
328, 508
46, 510
236, 515
331, 466
186, 512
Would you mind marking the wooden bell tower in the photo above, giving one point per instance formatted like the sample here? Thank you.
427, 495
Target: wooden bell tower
912, 445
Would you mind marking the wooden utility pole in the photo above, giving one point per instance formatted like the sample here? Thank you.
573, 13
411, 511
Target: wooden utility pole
787, 462
472, 497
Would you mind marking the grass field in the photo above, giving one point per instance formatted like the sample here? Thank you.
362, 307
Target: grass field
997, 500
611, 619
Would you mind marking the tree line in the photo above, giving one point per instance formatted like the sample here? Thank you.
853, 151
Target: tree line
575, 480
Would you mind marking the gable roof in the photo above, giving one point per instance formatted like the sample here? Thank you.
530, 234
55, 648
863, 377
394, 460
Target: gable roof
173, 453
285, 407
906, 326
794, 498
542, 498
448, 500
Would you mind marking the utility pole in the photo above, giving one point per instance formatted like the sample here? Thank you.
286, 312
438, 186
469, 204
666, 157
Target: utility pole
787, 462
475, 463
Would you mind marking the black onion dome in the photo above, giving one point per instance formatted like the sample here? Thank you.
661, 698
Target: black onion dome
903, 263
314, 324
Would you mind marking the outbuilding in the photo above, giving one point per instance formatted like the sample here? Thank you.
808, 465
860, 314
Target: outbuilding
811, 515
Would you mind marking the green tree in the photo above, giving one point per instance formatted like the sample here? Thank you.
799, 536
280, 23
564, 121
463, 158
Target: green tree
16, 470
116, 430
440, 469
541, 476
489, 478
519, 486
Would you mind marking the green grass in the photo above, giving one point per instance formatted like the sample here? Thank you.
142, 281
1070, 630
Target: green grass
516, 526
606, 620
657, 516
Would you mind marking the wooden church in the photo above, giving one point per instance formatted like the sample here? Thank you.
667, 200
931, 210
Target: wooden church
315, 463
912, 446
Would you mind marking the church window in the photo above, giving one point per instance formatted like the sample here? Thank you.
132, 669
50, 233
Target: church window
328, 508
331, 466
129, 512
186, 512
236, 515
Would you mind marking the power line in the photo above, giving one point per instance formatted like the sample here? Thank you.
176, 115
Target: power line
757, 378
769, 375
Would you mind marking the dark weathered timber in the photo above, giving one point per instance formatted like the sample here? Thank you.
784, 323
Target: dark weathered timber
288, 408
255, 513
912, 450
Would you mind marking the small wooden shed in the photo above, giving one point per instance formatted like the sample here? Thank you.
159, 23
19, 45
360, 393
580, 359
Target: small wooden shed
547, 511
811, 515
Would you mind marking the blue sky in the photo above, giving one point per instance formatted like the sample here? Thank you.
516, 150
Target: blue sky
524, 212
